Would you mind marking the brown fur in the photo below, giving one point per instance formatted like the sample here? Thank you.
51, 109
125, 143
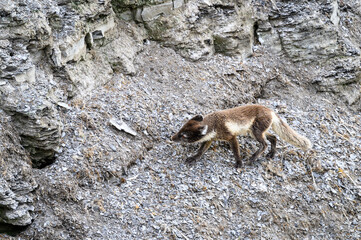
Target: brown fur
226, 125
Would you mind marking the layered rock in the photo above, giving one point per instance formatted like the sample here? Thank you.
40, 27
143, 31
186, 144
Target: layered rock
342, 75
16, 181
51, 51
317, 34
323, 35
196, 29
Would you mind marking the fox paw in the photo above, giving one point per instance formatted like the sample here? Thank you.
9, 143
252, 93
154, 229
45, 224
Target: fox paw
270, 155
239, 165
191, 160
249, 162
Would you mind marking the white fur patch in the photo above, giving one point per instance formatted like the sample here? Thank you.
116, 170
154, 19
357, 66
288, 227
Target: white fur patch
275, 118
204, 131
238, 129
208, 136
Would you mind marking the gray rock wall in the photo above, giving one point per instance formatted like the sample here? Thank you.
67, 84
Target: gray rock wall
16, 181
324, 35
55, 51
51, 51
197, 29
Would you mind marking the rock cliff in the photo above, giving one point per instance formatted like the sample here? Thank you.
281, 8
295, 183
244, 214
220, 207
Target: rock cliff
17, 182
72, 73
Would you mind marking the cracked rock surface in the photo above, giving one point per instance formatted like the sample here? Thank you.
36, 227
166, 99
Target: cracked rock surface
16, 179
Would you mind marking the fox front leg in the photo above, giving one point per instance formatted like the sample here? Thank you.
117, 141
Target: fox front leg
236, 152
204, 147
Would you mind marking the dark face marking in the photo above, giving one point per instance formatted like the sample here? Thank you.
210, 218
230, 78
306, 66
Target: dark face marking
198, 118
191, 132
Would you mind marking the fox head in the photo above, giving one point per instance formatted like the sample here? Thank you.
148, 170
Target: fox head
192, 131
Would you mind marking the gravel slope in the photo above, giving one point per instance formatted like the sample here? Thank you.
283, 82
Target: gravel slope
107, 184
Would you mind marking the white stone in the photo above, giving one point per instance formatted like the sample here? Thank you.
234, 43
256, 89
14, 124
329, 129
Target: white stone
335, 19
87, 75
178, 3
122, 127
28, 76
152, 12
56, 56
7, 5
73, 51
107, 26
120, 53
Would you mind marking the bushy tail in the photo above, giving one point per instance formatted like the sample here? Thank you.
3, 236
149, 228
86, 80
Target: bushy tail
286, 133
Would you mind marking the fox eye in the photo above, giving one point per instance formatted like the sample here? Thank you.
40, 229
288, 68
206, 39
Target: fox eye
184, 135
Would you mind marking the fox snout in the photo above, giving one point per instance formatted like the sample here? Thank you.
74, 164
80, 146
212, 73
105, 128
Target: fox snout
192, 131
175, 138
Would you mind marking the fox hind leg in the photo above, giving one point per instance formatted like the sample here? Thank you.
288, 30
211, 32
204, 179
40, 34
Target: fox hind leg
273, 140
259, 129
261, 139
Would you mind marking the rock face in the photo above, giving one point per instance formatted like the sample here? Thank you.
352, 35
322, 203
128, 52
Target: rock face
198, 29
324, 33
318, 33
16, 181
50, 51
54, 53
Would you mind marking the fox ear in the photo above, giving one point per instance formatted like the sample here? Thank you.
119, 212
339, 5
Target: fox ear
203, 129
198, 118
